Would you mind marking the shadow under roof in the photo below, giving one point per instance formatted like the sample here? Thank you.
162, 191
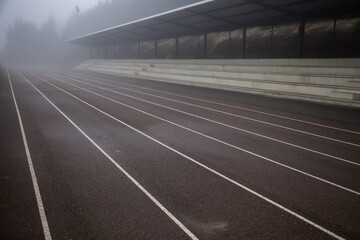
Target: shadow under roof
217, 15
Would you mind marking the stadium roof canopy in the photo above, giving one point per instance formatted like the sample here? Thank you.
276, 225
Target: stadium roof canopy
217, 15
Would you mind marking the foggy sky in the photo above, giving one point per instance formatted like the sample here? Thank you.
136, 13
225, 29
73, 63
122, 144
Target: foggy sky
38, 11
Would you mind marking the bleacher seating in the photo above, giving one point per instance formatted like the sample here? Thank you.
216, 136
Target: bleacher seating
332, 81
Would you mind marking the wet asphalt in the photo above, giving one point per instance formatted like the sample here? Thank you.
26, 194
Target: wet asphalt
225, 165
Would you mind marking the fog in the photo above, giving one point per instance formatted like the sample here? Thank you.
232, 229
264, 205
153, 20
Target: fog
38, 11
34, 31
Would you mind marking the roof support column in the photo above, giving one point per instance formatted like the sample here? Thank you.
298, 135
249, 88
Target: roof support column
229, 42
139, 49
301, 39
334, 30
125, 51
156, 49
243, 53
177, 47
335, 52
205, 46
272, 40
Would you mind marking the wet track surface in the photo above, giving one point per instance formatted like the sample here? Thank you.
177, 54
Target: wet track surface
122, 158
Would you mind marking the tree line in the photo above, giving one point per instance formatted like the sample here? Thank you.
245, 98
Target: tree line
46, 45
26, 43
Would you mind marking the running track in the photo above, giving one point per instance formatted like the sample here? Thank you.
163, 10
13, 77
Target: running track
93, 156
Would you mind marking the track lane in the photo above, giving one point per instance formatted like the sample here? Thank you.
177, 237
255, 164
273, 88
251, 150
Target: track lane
271, 151
290, 139
85, 196
19, 215
97, 100
39, 201
243, 143
239, 102
272, 120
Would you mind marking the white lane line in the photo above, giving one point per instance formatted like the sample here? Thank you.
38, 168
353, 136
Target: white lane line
221, 104
209, 137
238, 116
33, 90
204, 166
44, 222
216, 122
148, 194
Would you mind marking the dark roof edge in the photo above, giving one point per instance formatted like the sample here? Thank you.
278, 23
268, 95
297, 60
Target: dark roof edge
142, 19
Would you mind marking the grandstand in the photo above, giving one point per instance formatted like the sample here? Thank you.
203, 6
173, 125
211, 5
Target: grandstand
295, 49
